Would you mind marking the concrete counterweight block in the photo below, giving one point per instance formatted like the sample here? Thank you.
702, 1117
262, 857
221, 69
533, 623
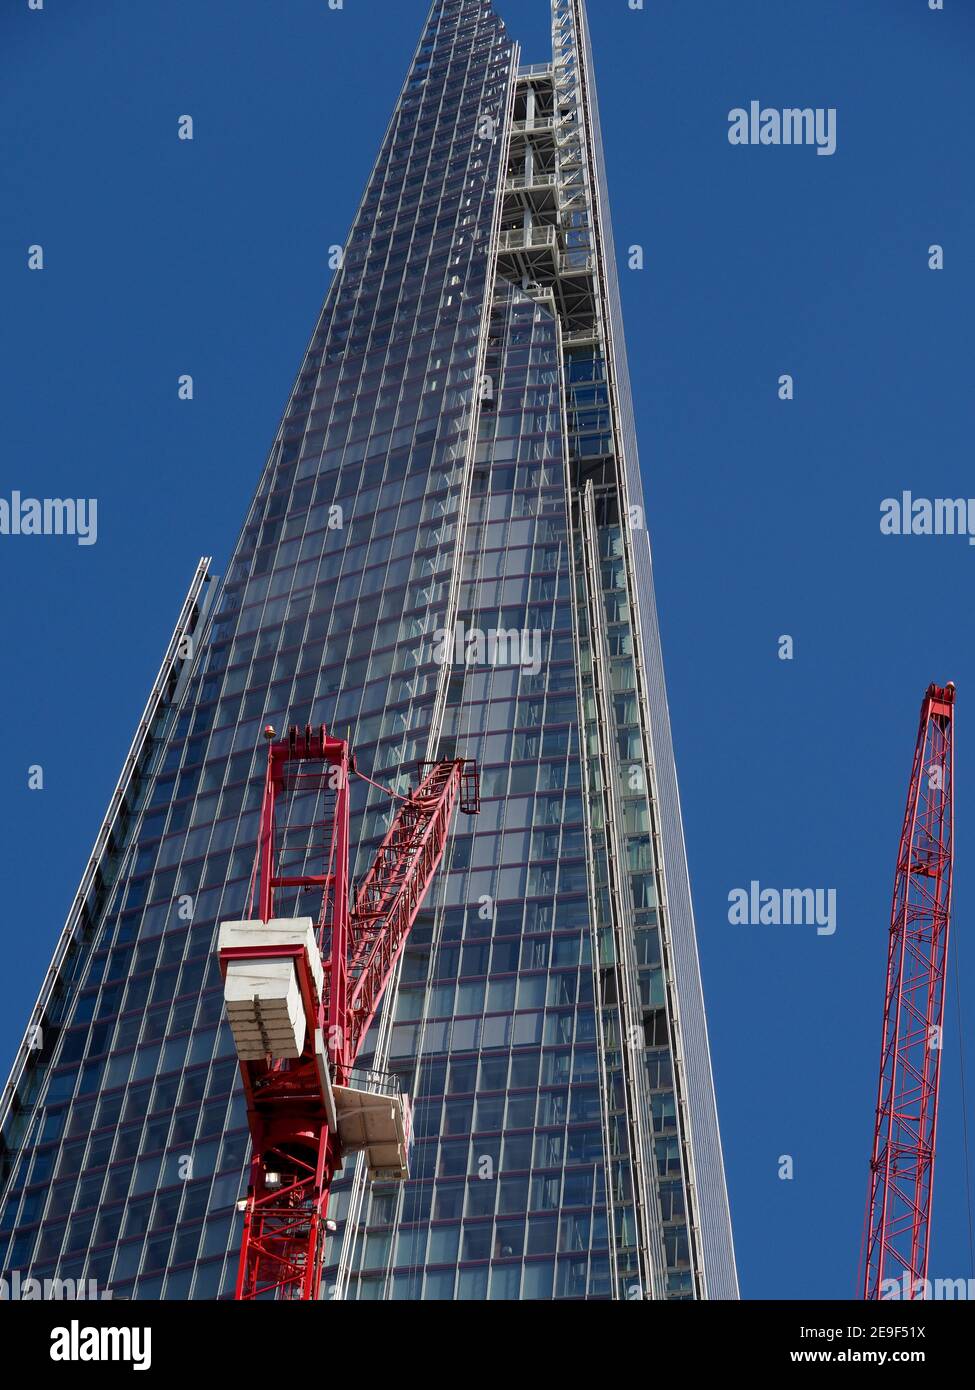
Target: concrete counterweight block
264, 1008
262, 995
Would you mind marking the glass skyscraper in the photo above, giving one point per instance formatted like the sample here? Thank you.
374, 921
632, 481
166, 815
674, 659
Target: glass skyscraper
446, 554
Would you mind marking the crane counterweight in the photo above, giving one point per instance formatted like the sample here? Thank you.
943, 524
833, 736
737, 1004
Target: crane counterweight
300, 999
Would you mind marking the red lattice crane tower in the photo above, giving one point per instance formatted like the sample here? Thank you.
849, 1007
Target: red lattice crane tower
300, 997
898, 1227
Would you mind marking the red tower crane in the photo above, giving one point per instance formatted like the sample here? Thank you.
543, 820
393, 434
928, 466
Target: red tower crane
300, 998
898, 1226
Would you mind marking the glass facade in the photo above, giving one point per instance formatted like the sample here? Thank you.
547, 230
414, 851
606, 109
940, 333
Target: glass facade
445, 554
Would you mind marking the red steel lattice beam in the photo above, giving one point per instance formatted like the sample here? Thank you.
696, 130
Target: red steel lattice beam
898, 1227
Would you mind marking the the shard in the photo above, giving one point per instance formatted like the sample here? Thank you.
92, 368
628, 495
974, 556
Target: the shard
446, 553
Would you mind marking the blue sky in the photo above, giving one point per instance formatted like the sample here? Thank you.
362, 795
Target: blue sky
164, 257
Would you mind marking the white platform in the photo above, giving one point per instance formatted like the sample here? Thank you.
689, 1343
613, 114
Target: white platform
379, 1126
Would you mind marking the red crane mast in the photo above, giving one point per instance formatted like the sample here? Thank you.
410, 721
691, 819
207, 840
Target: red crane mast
898, 1225
300, 998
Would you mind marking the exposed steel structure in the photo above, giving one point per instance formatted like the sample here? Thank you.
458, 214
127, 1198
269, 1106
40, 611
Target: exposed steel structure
898, 1227
305, 1105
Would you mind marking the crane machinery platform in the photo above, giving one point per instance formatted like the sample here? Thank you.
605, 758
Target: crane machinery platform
300, 996
898, 1222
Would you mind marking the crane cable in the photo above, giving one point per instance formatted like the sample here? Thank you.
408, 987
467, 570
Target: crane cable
379, 786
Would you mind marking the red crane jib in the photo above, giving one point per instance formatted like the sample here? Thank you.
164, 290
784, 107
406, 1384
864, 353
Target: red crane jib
898, 1223
300, 998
